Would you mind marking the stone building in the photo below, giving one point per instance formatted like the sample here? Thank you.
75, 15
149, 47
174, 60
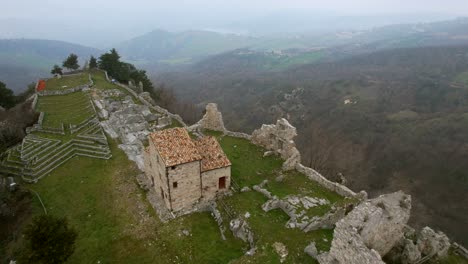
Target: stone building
185, 171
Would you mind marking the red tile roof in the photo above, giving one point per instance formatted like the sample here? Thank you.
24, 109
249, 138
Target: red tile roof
212, 154
175, 146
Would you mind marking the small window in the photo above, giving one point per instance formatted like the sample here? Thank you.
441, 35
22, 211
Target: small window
174, 185
173, 168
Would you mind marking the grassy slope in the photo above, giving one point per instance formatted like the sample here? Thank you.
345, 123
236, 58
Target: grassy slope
68, 109
68, 81
115, 223
249, 167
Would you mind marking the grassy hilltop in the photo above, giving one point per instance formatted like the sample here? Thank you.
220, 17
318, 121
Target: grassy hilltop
116, 223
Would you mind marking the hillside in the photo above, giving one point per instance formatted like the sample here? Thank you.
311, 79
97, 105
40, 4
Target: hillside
115, 219
23, 61
388, 120
183, 47
335, 47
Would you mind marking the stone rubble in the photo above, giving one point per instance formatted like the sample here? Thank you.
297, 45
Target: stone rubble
281, 250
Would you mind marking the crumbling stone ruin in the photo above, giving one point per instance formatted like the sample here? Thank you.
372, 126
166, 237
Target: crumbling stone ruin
213, 119
279, 138
369, 231
296, 208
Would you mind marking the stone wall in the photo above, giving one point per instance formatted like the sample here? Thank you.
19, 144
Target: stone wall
210, 180
156, 173
187, 192
62, 92
333, 186
279, 138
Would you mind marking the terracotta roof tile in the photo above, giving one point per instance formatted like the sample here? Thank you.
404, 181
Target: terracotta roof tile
212, 154
175, 146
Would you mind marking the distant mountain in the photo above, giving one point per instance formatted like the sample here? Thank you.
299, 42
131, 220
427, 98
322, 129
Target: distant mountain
334, 47
163, 46
22, 61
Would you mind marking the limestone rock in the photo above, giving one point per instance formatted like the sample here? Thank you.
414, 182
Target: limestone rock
279, 138
281, 250
245, 189
147, 97
311, 250
164, 121
411, 253
213, 119
433, 243
241, 229
370, 230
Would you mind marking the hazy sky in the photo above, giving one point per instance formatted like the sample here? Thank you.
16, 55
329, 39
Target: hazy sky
26, 8
98, 22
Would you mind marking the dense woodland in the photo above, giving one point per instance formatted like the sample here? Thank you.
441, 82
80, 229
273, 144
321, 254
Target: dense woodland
403, 126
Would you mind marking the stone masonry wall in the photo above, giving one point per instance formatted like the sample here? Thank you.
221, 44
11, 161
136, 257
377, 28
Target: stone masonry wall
188, 190
157, 172
210, 180
333, 186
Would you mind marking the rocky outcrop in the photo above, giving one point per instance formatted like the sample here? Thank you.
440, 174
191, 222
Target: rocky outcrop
311, 250
213, 119
410, 253
128, 121
241, 229
281, 250
433, 243
279, 138
369, 231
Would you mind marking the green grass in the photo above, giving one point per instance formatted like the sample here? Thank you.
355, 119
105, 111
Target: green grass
249, 167
175, 123
102, 201
68, 81
269, 227
462, 78
116, 224
452, 258
304, 58
100, 82
68, 109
